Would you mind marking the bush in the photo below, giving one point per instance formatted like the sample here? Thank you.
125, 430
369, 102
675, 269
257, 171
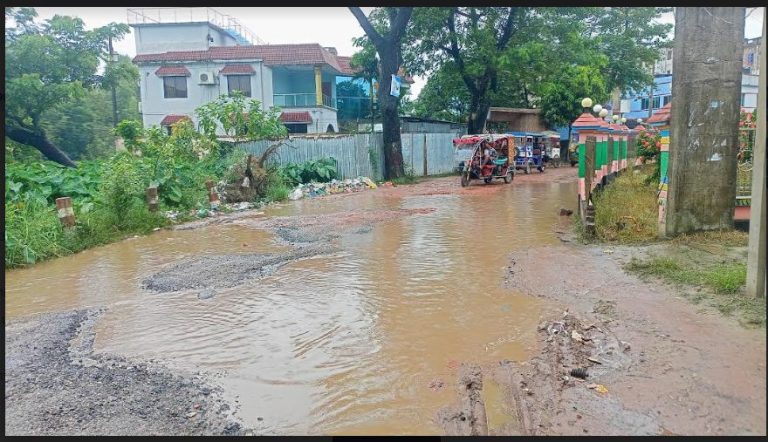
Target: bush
316, 171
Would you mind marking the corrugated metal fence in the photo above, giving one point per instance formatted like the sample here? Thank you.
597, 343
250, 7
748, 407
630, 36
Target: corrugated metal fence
359, 154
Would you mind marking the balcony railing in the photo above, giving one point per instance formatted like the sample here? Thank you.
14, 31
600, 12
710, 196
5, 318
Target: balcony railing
301, 100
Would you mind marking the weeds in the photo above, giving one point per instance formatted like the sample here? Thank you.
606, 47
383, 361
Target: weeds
723, 281
626, 211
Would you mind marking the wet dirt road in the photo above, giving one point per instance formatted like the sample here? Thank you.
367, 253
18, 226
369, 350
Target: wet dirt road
393, 290
342, 343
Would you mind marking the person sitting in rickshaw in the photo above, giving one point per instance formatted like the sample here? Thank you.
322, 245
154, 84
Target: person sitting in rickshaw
489, 154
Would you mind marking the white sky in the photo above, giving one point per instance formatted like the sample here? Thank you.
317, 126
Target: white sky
329, 26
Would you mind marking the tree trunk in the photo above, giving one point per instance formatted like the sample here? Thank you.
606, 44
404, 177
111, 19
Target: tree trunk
478, 116
388, 48
39, 142
390, 121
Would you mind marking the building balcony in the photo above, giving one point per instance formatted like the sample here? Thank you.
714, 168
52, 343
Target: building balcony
301, 100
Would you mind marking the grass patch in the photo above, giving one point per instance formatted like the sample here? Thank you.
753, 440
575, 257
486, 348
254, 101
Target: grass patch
720, 282
626, 211
722, 278
723, 238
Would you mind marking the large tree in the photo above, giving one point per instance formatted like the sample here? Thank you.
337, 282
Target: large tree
474, 40
46, 66
518, 56
387, 41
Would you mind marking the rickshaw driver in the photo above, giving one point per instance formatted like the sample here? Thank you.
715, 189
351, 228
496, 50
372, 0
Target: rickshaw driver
489, 153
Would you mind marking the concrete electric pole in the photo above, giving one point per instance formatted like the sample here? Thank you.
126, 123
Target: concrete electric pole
757, 239
704, 133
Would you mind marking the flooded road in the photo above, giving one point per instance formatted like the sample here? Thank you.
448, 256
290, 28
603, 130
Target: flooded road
363, 341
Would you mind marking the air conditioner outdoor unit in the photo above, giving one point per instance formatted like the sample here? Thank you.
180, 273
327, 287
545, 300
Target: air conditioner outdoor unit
206, 77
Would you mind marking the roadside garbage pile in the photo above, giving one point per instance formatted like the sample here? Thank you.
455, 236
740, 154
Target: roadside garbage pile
215, 210
311, 190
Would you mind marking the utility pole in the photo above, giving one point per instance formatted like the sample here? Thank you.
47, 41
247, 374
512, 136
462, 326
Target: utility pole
756, 245
704, 120
114, 93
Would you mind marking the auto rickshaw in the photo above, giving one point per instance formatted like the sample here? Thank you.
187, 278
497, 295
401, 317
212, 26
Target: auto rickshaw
490, 158
552, 146
529, 154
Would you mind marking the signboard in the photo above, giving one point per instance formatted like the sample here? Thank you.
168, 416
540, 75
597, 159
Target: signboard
394, 89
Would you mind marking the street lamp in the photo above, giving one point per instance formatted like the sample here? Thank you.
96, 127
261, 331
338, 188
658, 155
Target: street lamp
623, 120
586, 103
603, 112
597, 108
639, 121
615, 118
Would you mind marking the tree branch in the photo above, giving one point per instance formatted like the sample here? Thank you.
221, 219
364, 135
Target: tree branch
370, 31
397, 28
507, 34
38, 141
457, 55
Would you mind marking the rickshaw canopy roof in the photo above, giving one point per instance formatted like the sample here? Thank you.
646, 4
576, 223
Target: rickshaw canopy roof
473, 139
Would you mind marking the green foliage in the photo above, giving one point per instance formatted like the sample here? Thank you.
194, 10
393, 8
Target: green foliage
648, 146
552, 58
276, 188
723, 278
240, 118
53, 88
561, 99
626, 211
317, 171
121, 186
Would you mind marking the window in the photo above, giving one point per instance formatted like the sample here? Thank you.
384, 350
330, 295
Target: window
665, 100
240, 83
749, 100
175, 87
656, 102
643, 104
294, 128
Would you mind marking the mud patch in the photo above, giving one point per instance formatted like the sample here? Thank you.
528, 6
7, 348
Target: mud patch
225, 270
55, 385
468, 416
656, 364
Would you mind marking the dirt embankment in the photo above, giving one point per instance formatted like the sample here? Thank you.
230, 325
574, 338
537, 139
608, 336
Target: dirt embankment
55, 385
655, 363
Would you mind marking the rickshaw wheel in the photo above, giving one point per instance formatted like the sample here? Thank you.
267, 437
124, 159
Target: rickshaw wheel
464, 179
508, 177
487, 180
527, 168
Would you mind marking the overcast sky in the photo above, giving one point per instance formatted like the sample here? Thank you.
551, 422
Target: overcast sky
328, 26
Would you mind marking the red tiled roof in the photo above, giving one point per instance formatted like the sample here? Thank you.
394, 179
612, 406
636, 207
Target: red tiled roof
346, 68
172, 71
273, 55
662, 115
170, 120
586, 120
295, 117
237, 69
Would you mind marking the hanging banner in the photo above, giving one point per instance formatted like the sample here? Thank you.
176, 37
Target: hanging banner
394, 89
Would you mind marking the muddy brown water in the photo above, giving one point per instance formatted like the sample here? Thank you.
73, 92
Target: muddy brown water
342, 344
